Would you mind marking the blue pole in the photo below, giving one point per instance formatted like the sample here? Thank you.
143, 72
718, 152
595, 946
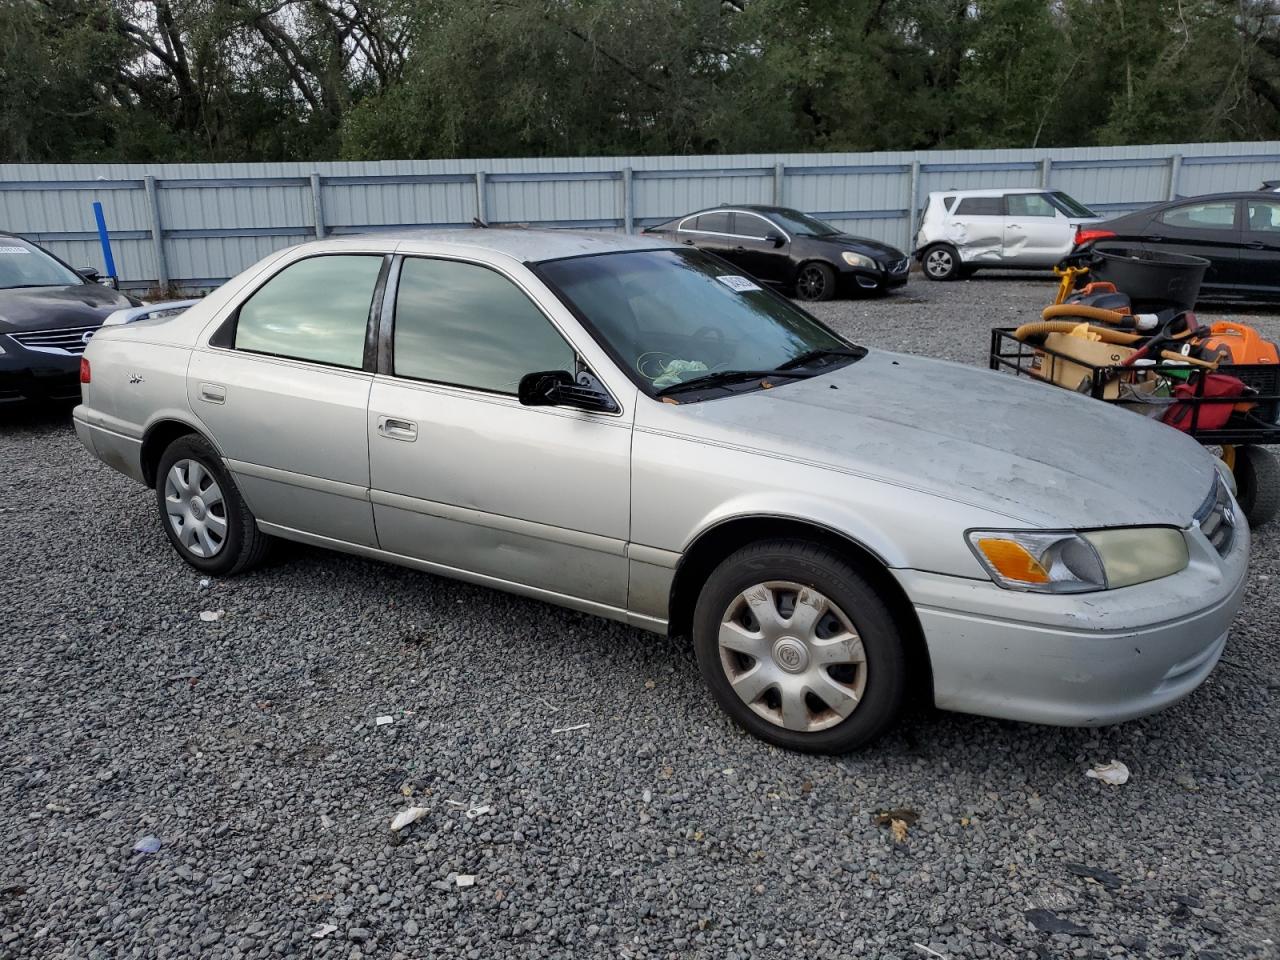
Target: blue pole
105, 240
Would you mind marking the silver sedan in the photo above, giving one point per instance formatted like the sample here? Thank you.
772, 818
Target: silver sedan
636, 430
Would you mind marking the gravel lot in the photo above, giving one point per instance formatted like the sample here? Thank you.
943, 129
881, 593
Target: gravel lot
249, 748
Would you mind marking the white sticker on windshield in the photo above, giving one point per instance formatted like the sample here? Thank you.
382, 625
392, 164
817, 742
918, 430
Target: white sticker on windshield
14, 250
741, 284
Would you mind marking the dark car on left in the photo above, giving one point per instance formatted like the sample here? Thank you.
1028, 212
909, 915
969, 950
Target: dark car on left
791, 250
48, 313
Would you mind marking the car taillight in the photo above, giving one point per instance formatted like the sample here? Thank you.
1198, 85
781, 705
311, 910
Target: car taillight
84, 370
1084, 236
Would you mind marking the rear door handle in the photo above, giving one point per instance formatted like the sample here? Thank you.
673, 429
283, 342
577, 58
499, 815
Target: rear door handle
1154, 239
396, 429
213, 393
1256, 245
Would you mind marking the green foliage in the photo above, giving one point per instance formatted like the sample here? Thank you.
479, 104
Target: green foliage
374, 79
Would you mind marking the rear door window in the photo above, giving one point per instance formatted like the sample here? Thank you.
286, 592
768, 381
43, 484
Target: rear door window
315, 309
1213, 215
715, 222
980, 207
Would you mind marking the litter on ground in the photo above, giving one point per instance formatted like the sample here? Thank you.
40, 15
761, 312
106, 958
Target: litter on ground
406, 817
1114, 773
147, 845
212, 616
580, 726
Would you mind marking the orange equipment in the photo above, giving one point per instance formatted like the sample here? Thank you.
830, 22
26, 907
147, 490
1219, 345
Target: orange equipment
1238, 343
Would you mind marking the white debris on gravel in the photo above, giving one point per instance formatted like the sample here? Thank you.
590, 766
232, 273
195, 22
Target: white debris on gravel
1114, 773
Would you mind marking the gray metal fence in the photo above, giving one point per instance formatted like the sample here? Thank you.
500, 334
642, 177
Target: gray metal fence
192, 225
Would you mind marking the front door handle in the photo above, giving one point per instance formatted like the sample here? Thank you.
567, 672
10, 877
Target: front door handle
1256, 245
396, 429
213, 393
1154, 239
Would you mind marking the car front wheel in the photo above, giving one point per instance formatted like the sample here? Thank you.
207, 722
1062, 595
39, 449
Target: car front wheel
798, 648
942, 262
202, 512
816, 281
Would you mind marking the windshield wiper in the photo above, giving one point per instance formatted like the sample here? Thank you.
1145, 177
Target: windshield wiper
720, 377
809, 356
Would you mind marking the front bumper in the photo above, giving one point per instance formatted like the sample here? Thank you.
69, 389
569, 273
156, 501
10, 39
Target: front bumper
1084, 660
885, 276
29, 375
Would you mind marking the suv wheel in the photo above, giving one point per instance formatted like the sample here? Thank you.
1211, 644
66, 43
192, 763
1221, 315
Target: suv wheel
202, 512
942, 262
797, 647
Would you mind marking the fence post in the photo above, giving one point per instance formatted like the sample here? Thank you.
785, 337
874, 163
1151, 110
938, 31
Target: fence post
912, 198
779, 178
628, 203
482, 213
1046, 170
1175, 168
317, 205
157, 233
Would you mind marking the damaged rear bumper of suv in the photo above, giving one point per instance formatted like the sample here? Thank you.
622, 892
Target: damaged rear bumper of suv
1084, 659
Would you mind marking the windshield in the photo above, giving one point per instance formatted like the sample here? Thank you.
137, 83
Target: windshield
1069, 205
801, 224
25, 265
670, 316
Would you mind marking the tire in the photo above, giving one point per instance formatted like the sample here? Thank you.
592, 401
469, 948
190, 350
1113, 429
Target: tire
941, 262
815, 281
1257, 474
762, 692
195, 495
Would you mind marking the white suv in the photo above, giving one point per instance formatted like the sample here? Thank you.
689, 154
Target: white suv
962, 230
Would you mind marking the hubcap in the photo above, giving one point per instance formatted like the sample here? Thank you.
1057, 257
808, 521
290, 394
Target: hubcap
939, 263
792, 656
195, 507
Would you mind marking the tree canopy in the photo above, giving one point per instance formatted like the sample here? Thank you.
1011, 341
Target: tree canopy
146, 80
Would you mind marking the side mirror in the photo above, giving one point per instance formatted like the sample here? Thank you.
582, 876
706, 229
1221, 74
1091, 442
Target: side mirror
90, 273
557, 388
775, 239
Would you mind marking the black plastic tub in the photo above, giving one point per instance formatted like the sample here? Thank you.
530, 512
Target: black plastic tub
1153, 279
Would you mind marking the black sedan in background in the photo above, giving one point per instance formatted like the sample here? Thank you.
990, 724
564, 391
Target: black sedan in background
789, 249
48, 312
1238, 233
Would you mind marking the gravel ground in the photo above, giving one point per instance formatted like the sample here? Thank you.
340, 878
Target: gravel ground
249, 748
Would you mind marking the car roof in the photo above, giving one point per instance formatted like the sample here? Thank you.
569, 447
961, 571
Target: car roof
990, 192
525, 244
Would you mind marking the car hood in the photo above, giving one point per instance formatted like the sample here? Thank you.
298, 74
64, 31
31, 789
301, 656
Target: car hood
844, 241
52, 308
1031, 451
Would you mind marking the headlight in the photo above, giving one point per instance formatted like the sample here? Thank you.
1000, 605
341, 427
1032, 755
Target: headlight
1065, 561
858, 260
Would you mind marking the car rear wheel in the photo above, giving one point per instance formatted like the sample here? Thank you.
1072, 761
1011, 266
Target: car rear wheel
816, 281
797, 647
942, 262
202, 512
